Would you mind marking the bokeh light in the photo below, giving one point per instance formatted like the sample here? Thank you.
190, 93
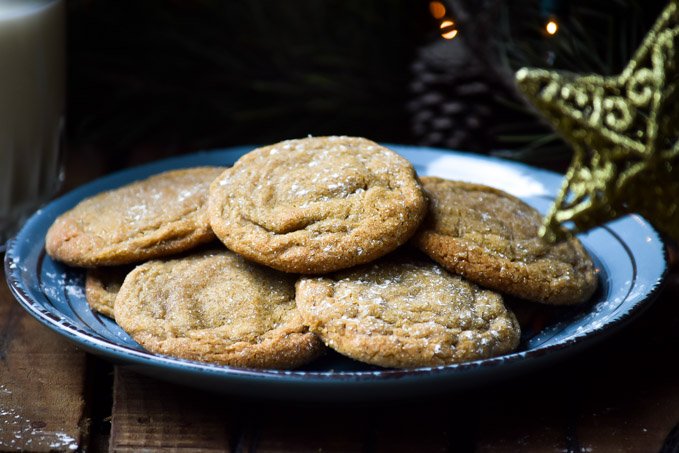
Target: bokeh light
437, 9
448, 29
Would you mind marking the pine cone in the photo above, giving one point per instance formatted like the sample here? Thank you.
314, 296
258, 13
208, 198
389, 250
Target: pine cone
452, 102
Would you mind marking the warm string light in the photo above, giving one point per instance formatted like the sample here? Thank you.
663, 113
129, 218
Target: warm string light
447, 26
437, 9
448, 30
552, 27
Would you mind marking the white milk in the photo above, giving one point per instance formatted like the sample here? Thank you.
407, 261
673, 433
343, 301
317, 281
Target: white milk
31, 106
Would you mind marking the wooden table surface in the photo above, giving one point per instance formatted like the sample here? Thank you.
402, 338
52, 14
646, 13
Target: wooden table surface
620, 395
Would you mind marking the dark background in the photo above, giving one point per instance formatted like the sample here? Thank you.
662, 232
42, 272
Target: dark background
152, 78
159, 77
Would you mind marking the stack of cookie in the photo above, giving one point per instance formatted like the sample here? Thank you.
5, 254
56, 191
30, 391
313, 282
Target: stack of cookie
321, 239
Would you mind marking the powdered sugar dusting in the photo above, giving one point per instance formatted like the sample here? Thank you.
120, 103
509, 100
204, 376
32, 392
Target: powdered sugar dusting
31, 435
417, 304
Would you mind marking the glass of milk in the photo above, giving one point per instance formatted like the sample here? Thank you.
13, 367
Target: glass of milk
32, 89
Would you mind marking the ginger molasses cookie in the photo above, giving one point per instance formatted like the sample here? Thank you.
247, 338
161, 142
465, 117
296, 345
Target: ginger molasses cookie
102, 285
216, 307
405, 312
316, 205
152, 218
491, 238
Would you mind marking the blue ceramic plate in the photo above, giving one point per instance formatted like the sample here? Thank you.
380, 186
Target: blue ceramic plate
628, 253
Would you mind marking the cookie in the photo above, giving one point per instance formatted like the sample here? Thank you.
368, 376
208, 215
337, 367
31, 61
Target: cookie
317, 205
404, 312
491, 238
102, 285
156, 217
216, 307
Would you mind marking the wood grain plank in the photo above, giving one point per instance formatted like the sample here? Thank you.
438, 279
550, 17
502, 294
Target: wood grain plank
632, 404
151, 415
433, 427
336, 427
621, 395
42, 380
525, 418
287, 428
638, 423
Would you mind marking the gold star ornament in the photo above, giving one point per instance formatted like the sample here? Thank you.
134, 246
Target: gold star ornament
624, 131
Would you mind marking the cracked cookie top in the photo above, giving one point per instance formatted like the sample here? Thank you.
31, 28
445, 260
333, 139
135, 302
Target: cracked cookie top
405, 312
491, 238
152, 218
317, 204
102, 285
216, 307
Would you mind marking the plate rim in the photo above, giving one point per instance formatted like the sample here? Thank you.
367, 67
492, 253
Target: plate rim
184, 366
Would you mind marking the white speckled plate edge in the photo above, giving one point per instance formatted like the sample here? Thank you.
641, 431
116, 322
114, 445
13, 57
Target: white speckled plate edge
629, 253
